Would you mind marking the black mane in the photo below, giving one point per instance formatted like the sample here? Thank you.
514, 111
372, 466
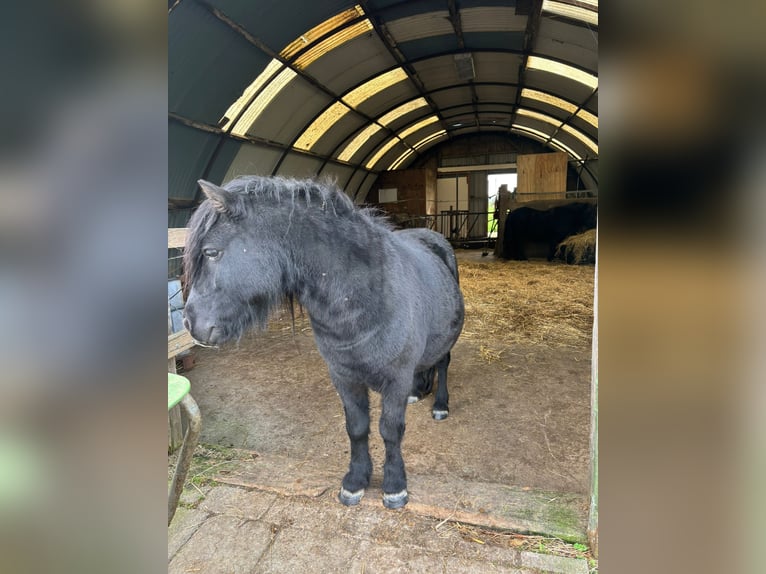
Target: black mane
307, 195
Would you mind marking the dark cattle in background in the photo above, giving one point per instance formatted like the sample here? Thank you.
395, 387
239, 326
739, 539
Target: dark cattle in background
525, 226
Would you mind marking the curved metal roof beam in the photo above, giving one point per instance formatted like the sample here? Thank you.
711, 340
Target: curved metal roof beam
589, 143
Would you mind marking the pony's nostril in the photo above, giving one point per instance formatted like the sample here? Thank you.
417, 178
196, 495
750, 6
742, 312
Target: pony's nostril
187, 325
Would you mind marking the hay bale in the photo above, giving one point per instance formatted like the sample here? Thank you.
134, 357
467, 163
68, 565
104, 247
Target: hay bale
578, 249
508, 303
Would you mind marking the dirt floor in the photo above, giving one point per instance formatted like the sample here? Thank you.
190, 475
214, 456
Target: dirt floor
519, 414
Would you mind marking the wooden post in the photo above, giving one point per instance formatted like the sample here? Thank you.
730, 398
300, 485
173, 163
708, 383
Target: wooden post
177, 343
175, 427
593, 511
503, 205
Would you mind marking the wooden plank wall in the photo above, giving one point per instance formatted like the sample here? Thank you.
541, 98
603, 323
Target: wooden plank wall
411, 186
541, 176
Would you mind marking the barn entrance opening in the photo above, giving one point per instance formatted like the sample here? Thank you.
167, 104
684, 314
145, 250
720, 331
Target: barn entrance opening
494, 183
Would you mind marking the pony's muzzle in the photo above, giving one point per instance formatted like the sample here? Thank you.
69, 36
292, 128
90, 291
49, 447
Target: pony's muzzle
203, 335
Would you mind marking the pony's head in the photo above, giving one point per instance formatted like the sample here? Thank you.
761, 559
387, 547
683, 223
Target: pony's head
233, 266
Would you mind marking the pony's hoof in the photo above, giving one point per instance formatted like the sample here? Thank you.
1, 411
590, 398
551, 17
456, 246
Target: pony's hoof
439, 415
396, 500
350, 498
412, 399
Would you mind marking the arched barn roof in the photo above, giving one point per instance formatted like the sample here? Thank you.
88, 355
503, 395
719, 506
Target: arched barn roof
351, 89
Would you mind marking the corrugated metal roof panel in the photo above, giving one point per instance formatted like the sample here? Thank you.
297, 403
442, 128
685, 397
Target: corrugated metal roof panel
492, 19
363, 57
496, 93
179, 217
365, 146
418, 26
584, 127
340, 174
221, 161
493, 40
299, 166
209, 66
496, 67
573, 143
277, 22
437, 72
319, 126
557, 85
404, 113
364, 188
423, 133
484, 3
353, 184
392, 96
337, 132
456, 111
451, 97
304, 102
252, 159
385, 155
189, 151
424, 47
403, 9
461, 121
495, 108
568, 42
592, 104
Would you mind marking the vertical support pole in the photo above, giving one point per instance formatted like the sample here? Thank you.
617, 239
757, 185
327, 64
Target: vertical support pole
503, 205
593, 511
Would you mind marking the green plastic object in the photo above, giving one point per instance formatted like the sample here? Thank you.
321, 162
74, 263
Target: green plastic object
178, 387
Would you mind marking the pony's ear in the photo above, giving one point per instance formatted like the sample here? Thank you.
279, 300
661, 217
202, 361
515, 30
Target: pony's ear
219, 197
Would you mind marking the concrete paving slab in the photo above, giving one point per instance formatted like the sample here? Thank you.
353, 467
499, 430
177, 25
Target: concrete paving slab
299, 551
232, 501
554, 564
185, 523
223, 545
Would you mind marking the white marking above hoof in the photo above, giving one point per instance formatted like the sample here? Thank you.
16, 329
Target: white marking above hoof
440, 415
395, 500
350, 498
412, 399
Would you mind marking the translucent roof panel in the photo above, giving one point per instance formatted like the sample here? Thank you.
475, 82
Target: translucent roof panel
586, 12
355, 86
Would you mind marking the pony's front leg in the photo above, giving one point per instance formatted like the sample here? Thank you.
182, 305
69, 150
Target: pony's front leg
392, 430
440, 409
356, 405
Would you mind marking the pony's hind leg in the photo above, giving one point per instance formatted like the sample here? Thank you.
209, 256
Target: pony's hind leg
392, 414
441, 401
422, 384
356, 406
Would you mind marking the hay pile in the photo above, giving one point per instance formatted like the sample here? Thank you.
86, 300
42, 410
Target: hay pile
526, 302
578, 249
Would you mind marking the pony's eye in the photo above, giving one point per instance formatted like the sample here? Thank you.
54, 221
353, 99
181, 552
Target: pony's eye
211, 253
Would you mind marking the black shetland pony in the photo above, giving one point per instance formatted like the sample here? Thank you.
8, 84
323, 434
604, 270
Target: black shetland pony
385, 306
